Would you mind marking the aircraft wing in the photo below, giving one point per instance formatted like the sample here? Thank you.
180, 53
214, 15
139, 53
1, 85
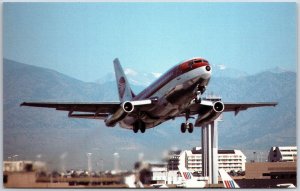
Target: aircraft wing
90, 110
208, 111
237, 107
206, 105
95, 110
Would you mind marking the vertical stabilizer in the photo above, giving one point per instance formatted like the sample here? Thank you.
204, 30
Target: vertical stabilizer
186, 175
189, 181
125, 92
228, 182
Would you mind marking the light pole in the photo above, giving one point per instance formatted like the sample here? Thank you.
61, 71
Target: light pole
116, 158
62, 158
101, 165
89, 157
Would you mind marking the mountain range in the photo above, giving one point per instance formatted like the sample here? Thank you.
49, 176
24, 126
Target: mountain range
49, 135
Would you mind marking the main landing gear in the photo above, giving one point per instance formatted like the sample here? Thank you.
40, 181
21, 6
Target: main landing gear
187, 126
139, 125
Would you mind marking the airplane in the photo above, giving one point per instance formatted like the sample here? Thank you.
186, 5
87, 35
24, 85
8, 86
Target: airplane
177, 93
189, 181
228, 182
159, 186
286, 185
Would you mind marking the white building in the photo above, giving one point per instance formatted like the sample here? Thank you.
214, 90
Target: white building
232, 160
168, 173
228, 160
21, 166
159, 173
283, 154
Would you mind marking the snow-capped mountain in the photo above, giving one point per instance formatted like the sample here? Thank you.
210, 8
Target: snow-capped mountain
278, 70
221, 70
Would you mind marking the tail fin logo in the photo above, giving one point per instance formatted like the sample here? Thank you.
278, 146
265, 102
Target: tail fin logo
229, 184
187, 175
121, 86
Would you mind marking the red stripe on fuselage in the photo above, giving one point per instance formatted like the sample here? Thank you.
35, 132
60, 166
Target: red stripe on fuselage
192, 64
170, 75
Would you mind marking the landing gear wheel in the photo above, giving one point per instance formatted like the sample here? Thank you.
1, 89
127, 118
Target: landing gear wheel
191, 127
142, 126
135, 128
183, 127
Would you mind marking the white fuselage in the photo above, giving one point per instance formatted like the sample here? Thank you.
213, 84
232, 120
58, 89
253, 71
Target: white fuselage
173, 97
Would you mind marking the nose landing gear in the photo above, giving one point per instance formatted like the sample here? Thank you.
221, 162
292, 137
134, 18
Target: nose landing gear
199, 92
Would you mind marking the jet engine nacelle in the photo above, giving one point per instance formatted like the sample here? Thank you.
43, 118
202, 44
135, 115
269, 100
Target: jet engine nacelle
216, 111
126, 108
218, 107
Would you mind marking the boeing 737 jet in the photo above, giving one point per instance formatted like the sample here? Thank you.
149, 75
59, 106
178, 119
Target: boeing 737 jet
177, 93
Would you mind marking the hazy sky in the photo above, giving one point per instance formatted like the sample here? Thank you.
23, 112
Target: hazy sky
82, 39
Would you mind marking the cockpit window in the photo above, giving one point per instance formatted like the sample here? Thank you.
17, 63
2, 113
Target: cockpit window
200, 61
197, 61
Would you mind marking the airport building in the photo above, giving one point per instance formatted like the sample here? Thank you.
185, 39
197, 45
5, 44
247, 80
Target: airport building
271, 170
23, 166
159, 173
168, 172
283, 154
228, 160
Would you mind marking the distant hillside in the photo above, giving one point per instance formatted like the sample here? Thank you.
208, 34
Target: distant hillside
29, 132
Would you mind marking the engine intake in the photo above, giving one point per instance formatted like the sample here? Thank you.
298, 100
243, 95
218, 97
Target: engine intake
218, 106
128, 106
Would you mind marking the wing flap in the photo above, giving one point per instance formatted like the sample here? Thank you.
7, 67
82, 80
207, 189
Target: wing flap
89, 116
